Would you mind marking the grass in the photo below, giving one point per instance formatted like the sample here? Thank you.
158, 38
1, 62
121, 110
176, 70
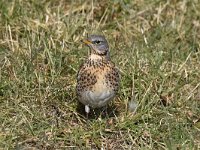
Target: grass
154, 43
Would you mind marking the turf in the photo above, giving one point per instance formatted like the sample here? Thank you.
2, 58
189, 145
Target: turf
154, 43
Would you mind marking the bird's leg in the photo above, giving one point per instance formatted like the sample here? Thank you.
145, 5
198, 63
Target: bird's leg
87, 110
105, 112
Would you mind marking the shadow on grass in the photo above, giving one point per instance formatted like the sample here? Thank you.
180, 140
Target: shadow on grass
104, 112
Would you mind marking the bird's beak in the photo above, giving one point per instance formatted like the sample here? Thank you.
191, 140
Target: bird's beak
87, 42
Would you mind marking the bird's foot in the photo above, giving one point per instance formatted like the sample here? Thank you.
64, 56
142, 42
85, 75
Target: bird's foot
87, 110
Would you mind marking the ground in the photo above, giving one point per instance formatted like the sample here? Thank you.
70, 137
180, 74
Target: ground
154, 43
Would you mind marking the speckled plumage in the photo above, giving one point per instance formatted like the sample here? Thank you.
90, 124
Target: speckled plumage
98, 78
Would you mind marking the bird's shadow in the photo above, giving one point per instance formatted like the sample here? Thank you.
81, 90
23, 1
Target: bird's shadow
104, 112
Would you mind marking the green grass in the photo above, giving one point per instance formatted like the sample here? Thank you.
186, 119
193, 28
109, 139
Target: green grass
156, 46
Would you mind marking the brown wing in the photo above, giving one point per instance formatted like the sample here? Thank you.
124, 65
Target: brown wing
85, 79
113, 78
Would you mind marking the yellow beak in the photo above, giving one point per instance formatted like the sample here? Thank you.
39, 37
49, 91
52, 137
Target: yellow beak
86, 42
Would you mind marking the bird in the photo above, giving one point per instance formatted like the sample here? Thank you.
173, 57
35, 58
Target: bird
98, 78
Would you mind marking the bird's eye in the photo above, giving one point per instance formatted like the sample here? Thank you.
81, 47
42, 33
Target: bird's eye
97, 42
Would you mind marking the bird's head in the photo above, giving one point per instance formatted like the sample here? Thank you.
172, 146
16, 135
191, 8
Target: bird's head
98, 45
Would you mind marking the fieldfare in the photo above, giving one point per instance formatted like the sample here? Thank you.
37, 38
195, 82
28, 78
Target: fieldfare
98, 78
